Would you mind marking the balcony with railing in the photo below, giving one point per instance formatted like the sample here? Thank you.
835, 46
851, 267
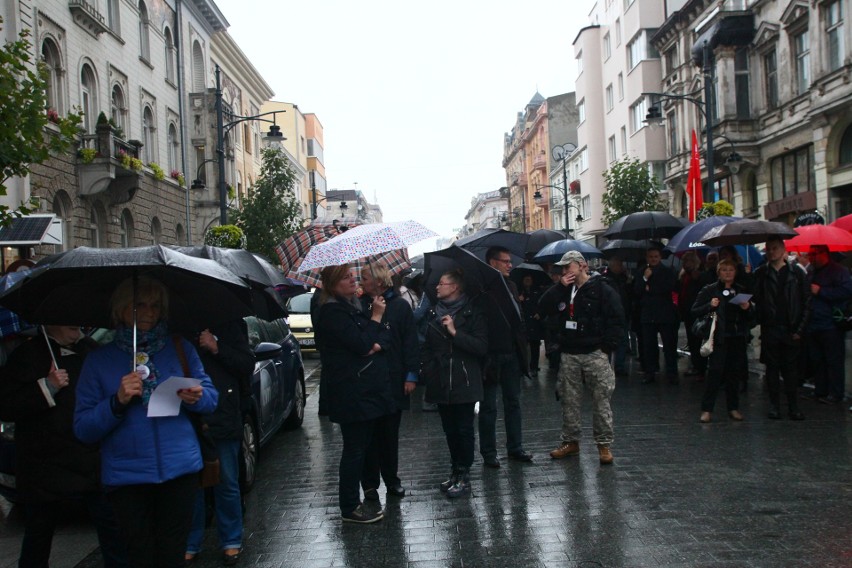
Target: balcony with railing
539, 162
107, 163
87, 16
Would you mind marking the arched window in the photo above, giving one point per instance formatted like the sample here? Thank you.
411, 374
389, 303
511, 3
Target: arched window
126, 229
149, 127
88, 98
197, 68
64, 210
118, 109
844, 156
170, 56
156, 230
174, 147
96, 231
180, 236
144, 32
53, 67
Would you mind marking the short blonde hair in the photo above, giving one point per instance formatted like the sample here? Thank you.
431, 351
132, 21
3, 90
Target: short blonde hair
331, 276
147, 288
380, 273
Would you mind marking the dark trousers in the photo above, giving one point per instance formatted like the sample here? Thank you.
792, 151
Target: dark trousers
728, 373
651, 360
155, 520
41, 520
782, 360
828, 355
357, 437
509, 382
699, 363
535, 353
383, 453
457, 420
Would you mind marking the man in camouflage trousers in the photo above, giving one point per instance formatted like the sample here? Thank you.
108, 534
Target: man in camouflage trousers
591, 325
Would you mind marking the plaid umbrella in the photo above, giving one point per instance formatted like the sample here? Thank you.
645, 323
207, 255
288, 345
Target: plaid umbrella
396, 260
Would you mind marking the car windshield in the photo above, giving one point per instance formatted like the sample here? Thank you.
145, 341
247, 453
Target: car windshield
301, 304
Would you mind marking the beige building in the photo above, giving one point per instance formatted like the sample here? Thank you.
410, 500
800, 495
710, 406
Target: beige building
488, 210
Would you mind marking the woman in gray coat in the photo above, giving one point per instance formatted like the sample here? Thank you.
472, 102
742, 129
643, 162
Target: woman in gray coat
456, 343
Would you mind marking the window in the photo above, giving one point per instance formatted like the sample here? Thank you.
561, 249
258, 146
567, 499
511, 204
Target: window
170, 56
144, 33
64, 210
617, 31
180, 235
770, 78
609, 98
792, 173
156, 230
174, 147
834, 34
671, 125
118, 109
580, 63
621, 86
200, 166
802, 52
607, 48
741, 83
640, 48
113, 19
95, 222
126, 229
613, 151
623, 139
671, 60
149, 127
586, 206
53, 68
584, 160
197, 68
581, 112
88, 98
844, 156
637, 115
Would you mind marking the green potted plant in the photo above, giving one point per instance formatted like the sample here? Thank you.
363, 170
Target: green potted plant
87, 155
178, 176
225, 236
159, 174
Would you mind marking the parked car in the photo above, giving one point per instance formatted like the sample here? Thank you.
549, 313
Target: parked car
300, 320
277, 391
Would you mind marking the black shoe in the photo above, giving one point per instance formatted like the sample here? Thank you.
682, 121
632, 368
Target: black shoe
396, 491
371, 495
796, 415
521, 456
362, 516
231, 559
649, 378
445, 485
830, 399
491, 462
430, 407
692, 373
774, 414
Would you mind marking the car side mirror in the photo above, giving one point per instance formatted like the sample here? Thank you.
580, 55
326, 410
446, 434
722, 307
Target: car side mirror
265, 351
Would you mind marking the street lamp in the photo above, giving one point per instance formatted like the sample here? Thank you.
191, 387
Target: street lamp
222, 127
562, 153
523, 207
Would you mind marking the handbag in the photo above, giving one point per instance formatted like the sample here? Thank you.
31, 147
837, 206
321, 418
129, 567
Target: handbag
707, 346
210, 471
701, 326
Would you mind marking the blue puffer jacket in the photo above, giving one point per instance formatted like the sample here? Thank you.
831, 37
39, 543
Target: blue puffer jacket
134, 448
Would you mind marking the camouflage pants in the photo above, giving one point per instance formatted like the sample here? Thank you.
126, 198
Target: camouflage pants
594, 370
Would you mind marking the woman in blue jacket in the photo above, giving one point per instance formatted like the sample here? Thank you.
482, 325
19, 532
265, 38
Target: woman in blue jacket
149, 466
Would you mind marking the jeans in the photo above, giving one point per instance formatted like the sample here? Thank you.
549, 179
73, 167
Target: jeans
383, 454
41, 519
155, 520
457, 420
357, 437
828, 354
509, 383
227, 503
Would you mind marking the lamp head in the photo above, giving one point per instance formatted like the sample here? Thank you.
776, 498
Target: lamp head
734, 162
197, 184
654, 116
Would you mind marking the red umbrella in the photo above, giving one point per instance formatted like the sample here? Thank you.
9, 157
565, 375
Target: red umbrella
844, 223
834, 238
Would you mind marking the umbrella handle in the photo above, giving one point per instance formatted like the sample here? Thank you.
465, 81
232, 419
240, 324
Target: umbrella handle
135, 338
49, 348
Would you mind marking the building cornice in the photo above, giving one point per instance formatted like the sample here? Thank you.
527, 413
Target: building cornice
239, 67
211, 14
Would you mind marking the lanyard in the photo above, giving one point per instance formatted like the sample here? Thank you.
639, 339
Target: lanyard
571, 305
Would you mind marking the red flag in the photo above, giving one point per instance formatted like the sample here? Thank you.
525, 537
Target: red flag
693, 181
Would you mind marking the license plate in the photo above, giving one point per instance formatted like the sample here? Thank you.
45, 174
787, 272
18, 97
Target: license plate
306, 342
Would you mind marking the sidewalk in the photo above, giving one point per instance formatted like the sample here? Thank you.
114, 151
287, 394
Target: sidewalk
756, 493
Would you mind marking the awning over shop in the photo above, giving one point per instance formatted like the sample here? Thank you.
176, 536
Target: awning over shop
32, 230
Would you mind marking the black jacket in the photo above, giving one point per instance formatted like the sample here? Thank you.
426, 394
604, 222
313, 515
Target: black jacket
655, 295
731, 320
401, 346
795, 295
452, 366
597, 312
358, 386
231, 372
51, 462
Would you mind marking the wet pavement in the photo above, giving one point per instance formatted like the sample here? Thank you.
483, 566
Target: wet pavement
726, 494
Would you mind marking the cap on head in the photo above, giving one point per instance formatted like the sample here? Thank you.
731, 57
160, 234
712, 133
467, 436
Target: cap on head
571, 256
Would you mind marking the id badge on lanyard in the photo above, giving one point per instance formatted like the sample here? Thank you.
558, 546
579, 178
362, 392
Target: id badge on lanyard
571, 324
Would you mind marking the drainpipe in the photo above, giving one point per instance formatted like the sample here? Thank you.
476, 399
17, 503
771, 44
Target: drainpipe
181, 94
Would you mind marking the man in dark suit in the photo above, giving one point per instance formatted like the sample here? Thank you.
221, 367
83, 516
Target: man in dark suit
654, 285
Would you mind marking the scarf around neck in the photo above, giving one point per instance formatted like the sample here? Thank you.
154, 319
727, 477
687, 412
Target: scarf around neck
444, 308
149, 342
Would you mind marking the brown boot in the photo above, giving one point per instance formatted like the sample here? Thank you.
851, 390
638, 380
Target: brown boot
565, 450
605, 455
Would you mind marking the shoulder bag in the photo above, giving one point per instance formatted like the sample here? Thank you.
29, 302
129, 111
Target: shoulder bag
707, 345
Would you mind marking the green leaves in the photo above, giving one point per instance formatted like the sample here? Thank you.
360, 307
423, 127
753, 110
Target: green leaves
630, 187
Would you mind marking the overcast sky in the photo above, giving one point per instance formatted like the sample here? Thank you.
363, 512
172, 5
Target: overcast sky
414, 98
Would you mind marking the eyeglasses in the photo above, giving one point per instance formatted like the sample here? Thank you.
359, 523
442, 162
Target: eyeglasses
504, 260
446, 283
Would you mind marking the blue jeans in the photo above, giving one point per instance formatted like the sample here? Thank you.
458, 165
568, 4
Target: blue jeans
509, 383
226, 501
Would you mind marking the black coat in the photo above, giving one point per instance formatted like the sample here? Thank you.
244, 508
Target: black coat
655, 295
528, 300
453, 366
796, 296
402, 348
51, 462
597, 312
231, 371
358, 385
731, 320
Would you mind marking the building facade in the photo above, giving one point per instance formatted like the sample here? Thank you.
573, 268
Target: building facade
488, 210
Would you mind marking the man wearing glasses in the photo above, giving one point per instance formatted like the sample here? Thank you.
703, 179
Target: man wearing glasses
506, 357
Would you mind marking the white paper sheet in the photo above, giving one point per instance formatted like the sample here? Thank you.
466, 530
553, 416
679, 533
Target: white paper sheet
740, 299
164, 400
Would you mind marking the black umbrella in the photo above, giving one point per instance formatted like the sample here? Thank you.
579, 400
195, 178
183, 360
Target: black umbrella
746, 232
479, 243
628, 250
539, 276
646, 225
479, 278
76, 286
554, 251
258, 273
540, 239
417, 262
